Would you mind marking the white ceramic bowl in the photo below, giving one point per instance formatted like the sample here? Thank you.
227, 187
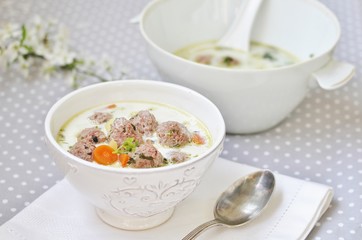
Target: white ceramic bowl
250, 100
131, 198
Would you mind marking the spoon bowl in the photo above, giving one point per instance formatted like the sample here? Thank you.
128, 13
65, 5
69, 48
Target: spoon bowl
243, 201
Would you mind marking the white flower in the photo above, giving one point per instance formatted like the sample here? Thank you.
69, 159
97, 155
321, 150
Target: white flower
24, 66
9, 31
12, 52
44, 45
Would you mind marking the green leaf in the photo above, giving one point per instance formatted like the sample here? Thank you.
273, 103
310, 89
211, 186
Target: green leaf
70, 66
23, 34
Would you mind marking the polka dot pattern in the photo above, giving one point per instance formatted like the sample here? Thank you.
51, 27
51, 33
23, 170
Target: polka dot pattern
320, 141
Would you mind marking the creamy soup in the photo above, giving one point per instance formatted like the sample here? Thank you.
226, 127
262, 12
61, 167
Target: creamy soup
135, 134
260, 56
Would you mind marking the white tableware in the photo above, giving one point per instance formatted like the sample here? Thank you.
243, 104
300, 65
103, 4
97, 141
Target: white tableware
238, 34
131, 198
60, 213
250, 100
241, 202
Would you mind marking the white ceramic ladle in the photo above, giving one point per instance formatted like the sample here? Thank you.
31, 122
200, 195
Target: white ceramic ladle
238, 35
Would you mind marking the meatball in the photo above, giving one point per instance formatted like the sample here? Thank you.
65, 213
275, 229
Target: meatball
147, 156
204, 59
145, 122
93, 135
122, 129
83, 150
173, 134
100, 117
178, 157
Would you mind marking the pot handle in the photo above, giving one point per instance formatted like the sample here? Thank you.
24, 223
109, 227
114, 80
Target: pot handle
334, 75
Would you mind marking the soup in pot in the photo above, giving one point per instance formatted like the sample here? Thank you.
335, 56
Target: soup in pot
260, 56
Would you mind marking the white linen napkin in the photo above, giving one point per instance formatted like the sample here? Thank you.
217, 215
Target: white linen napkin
61, 213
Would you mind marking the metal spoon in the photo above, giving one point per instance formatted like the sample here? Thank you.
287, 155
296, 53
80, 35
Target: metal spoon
241, 202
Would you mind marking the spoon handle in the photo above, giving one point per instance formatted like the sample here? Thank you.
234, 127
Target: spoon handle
198, 230
238, 35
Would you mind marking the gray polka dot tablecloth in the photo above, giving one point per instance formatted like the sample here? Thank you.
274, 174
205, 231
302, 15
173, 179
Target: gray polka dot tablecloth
321, 141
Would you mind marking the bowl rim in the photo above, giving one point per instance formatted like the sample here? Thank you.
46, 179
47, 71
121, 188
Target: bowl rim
50, 139
323, 8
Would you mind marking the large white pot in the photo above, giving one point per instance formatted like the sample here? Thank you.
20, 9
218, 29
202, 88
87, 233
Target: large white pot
250, 100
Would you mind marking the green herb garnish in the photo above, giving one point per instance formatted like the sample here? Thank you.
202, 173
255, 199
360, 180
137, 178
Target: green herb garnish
229, 61
269, 56
128, 145
146, 157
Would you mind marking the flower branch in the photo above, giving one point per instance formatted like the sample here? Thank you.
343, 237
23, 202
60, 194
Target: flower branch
43, 45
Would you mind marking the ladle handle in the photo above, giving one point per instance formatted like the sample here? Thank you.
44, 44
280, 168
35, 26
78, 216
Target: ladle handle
238, 35
198, 230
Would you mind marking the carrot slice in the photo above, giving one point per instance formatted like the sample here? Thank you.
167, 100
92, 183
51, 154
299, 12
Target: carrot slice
124, 158
111, 106
197, 139
104, 155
